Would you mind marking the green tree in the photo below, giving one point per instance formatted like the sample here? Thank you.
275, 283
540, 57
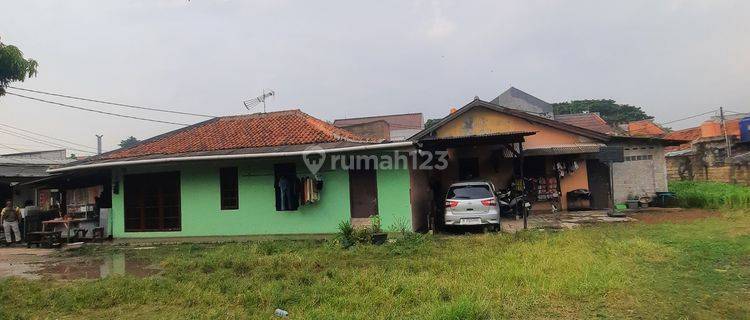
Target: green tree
129, 142
13, 66
430, 122
608, 109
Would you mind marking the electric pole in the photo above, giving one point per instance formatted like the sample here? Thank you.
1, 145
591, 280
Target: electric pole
726, 136
99, 144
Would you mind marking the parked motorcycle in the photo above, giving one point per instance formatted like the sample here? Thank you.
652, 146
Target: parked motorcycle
513, 203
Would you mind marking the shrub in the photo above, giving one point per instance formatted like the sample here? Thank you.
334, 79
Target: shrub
710, 195
346, 234
375, 223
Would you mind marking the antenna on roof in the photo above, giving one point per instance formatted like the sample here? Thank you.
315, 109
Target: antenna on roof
262, 98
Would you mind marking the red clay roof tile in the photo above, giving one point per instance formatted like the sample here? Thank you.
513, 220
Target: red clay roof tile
687, 135
292, 127
591, 121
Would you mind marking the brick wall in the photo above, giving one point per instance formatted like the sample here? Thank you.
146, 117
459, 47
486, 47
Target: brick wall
726, 173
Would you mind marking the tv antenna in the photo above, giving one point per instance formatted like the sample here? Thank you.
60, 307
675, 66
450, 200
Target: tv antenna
262, 98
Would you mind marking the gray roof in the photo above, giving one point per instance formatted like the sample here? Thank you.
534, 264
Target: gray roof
23, 167
516, 99
23, 171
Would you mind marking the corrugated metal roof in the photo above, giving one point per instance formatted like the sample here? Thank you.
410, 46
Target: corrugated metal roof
23, 171
559, 149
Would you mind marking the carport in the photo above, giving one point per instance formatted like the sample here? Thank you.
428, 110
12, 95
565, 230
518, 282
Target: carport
496, 157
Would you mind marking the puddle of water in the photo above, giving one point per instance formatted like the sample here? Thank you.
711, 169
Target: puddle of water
97, 267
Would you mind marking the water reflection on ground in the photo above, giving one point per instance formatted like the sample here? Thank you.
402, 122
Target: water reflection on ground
97, 267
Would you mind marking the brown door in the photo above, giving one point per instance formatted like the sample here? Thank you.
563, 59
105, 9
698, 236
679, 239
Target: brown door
363, 193
598, 173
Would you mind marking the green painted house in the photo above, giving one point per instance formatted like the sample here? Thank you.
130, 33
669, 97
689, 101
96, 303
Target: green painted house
265, 173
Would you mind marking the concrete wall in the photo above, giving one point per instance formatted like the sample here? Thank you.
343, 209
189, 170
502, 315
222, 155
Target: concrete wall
200, 201
643, 172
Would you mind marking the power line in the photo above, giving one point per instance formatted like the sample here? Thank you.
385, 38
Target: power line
115, 103
687, 118
97, 111
33, 139
46, 136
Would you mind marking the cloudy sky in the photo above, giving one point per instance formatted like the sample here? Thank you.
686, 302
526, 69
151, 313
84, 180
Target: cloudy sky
336, 59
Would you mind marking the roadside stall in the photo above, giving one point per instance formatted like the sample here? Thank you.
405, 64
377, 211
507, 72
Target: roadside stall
70, 210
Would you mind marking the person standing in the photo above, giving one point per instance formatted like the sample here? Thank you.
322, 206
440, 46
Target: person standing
10, 217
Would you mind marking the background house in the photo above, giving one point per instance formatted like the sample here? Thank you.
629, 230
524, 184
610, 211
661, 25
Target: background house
17, 168
392, 127
709, 155
516, 99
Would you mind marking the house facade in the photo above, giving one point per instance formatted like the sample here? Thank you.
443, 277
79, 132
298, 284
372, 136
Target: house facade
250, 175
552, 157
560, 157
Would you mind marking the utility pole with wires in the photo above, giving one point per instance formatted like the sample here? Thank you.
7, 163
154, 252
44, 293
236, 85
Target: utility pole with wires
724, 129
99, 144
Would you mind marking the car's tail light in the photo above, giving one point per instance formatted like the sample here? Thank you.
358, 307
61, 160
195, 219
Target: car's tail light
451, 204
489, 203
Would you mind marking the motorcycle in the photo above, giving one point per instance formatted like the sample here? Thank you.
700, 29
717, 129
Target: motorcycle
513, 204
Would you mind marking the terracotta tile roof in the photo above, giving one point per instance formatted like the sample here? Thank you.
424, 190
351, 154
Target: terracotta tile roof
645, 128
591, 121
292, 127
687, 135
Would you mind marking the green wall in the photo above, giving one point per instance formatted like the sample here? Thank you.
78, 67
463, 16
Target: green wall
257, 215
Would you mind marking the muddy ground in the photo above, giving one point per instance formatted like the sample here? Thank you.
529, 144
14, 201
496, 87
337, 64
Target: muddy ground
57, 264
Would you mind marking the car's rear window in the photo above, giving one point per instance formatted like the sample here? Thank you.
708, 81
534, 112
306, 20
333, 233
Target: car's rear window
469, 192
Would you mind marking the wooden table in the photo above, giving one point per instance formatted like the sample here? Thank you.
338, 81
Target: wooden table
65, 222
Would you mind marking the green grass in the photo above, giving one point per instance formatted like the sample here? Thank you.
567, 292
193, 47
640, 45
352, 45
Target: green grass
698, 269
711, 195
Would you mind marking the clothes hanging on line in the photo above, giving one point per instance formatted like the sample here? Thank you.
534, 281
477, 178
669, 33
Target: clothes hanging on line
566, 167
310, 190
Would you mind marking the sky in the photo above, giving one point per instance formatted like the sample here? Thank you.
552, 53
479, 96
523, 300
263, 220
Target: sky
336, 59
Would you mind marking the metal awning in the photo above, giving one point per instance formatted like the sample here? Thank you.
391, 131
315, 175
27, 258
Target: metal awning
678, 153
561, 149
473, 140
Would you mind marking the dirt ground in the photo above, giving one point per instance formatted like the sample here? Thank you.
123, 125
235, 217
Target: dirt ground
659, 216
34, 263
23, 262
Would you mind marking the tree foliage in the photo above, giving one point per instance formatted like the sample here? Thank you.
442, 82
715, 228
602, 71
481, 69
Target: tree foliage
431, 122
13, 66
608, 109
129, 142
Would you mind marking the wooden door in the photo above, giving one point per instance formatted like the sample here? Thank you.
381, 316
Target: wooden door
599, 184
363, 193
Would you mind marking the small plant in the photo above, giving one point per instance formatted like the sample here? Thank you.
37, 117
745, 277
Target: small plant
346, 234
400, 226
376, 224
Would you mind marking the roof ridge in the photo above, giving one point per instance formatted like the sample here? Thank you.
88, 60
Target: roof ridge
327, 128
381, 116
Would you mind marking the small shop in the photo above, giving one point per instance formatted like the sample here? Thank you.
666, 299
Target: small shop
69, 208
558, 177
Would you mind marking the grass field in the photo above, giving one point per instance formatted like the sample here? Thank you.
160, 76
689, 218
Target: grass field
691, 269
711, 195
